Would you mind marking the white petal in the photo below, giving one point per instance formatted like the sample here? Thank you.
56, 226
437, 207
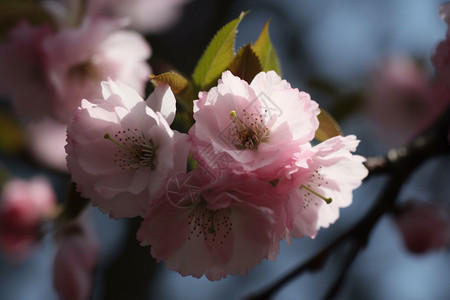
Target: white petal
129, 96
163, 100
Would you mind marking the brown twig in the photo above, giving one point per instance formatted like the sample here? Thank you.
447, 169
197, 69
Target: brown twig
398, 164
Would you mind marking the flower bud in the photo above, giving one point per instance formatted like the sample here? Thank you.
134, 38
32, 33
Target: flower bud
424, 227
24, 204
75, 261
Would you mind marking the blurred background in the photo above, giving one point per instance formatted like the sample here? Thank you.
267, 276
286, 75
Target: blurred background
336, 50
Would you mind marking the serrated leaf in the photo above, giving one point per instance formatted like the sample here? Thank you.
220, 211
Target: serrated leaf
217, 56
328, 127
176, 81
245, 64
265, 51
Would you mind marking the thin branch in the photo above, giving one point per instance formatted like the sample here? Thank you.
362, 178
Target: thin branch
334, 290
129, 276
399, 164
359, 232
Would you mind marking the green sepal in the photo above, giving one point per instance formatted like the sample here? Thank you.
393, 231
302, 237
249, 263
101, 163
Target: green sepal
328, 127
181, 87
176, 81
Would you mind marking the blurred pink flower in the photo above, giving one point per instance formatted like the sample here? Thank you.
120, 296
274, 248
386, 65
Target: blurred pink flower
441, 55
330, 173
46, 140
255, 129
214, 226
24, 205
23, 70
120, 151
441, 62
402, 101
444, 13
61, 68
424, 227
149, 16
75, 261
79, 59
66, 13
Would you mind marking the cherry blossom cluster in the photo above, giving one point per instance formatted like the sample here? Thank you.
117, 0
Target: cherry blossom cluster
254, 177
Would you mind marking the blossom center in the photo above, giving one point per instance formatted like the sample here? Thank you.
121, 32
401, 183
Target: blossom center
212, 225
134, 151
248, 132
83, 70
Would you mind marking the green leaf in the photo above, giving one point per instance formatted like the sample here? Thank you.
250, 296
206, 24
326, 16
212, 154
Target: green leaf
265, 51
328, 127
245, 64
217, 56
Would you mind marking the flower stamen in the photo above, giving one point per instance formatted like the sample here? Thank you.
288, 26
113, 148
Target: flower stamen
327, 200
250, 132
139, 151
108, 137
233, 114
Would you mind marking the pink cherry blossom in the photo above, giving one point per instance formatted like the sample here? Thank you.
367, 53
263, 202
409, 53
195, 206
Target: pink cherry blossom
424, 227
255, 129
441, 62
75, 260
46, 140
329, 173
120, 151
444, 13
223, 224
402, 101
66, 13
22, 64
79, 59
150, 16
441, 58
24, 205
59, 68
214, 226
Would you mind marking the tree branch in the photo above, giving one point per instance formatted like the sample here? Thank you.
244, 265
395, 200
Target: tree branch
398, 164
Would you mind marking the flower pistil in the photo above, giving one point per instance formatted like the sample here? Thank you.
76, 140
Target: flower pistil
250, 132
136, 151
